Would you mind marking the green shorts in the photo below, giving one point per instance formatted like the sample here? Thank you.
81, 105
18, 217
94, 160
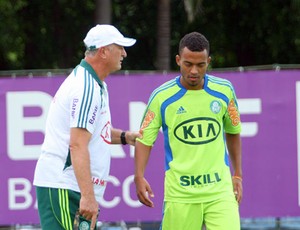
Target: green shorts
57, 208
221, 214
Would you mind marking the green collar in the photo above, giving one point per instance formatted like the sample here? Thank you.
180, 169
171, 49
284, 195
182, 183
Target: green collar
90, 69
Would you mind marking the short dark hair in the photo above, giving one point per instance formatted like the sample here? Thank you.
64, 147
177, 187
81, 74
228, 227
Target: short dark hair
194, 41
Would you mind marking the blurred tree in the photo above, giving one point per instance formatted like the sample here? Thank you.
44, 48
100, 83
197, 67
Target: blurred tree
244, 33
162, 61
44, 34
192, 8
12, 35
137, 19
103, 12
48, 34
54, 31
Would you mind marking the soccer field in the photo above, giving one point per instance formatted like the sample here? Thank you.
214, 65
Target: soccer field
271, 223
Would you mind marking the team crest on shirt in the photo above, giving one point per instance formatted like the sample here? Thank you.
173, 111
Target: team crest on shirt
106, 133
215, 106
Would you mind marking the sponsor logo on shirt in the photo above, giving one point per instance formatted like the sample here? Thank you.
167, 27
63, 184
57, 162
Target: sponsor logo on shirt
199, 130
98, 181
75, 100
92, 120
148, 118
233, 113
200, 180
180, 110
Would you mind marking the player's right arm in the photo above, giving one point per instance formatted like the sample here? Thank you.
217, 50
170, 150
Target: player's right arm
79, 140
143, 188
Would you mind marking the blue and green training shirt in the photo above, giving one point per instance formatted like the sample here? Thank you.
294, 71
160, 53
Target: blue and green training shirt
193, 124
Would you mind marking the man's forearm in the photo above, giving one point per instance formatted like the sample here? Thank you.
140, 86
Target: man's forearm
235, 152
81, 165
116, 136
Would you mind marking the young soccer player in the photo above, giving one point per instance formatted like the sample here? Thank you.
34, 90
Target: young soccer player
199, 116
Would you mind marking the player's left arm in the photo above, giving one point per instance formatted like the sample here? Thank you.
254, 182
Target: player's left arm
129, 136
234, 146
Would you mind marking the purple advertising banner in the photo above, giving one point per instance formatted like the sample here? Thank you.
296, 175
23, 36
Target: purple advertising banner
269, 103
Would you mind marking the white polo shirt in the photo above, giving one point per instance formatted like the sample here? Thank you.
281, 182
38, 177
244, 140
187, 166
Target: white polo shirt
81, 101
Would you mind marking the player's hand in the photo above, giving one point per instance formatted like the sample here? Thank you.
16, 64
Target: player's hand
144, 191
237, 189
131, 136
88, 208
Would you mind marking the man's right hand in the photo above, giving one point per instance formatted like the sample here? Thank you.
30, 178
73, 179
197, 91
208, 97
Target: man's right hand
88, 208
144, 191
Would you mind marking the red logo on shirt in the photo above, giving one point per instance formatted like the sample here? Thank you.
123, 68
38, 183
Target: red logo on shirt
233, 113
106, 133
148, 118
98, 181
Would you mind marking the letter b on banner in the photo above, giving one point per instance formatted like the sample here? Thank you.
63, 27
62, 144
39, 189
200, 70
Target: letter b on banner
19, 198
18, 123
